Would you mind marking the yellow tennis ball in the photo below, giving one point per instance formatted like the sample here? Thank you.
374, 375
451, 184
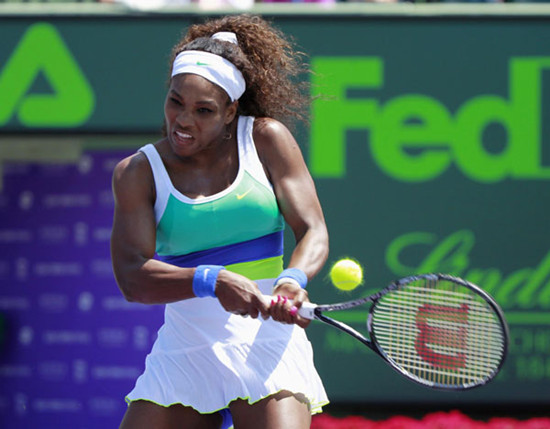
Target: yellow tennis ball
346, 274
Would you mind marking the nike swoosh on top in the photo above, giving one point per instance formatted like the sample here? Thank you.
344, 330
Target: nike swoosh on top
241, 196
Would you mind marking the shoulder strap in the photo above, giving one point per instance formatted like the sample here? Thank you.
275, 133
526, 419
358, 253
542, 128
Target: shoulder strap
247, 151
163, 184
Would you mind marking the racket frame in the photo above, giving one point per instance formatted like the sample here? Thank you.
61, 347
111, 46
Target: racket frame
373, 343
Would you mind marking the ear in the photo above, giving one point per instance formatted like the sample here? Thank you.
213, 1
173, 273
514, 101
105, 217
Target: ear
231, 112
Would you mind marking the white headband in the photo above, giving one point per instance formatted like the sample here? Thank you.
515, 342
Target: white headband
226, 36
212, 67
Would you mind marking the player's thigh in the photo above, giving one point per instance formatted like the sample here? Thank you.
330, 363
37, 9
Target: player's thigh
147, 415
282, 410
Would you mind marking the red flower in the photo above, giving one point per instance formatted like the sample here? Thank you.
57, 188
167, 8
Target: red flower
438, 420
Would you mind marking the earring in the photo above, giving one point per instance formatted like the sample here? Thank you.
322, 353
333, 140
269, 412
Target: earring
227, 136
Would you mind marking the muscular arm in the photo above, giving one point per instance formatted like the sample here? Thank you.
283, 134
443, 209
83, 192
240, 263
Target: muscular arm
144, 279
297, 198
139, 276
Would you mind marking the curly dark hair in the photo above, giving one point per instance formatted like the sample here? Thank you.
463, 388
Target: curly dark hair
268, 60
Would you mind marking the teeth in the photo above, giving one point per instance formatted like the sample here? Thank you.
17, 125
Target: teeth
184, 135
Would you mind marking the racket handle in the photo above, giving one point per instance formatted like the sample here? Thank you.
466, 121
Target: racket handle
305, 311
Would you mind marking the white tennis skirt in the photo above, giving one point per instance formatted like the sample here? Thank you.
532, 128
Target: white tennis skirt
205, 358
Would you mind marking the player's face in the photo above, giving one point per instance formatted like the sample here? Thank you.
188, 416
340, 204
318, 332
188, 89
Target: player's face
197, 113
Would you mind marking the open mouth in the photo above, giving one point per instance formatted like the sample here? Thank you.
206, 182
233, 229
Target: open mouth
183, 136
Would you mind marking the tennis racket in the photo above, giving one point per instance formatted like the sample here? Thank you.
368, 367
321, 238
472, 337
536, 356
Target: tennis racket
435, 329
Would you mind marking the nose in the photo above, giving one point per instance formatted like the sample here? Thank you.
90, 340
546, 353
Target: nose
184, 118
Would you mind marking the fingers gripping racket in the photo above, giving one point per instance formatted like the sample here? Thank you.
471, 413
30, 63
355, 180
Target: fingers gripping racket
438, 330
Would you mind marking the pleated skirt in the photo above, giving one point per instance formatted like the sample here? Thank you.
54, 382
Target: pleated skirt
205, 358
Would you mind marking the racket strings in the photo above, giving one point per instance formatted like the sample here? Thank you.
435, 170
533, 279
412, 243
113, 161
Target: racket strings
440, 332
402, 321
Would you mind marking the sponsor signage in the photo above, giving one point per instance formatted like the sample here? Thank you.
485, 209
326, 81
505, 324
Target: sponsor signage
429, 146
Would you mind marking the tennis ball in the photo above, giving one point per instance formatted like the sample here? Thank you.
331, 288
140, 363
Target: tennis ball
346, 274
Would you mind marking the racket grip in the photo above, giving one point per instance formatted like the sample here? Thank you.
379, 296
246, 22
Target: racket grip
305, 311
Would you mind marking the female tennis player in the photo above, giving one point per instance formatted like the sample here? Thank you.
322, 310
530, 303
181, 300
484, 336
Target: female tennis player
198, 226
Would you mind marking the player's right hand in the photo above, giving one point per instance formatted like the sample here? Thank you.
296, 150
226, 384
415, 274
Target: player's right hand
239, 295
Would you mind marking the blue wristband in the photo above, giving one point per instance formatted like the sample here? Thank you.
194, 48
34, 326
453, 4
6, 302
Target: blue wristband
292, 275
204, 280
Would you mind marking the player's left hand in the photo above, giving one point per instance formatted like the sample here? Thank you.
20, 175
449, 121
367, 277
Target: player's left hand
286, 300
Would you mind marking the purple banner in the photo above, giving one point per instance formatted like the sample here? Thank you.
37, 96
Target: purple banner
71, 347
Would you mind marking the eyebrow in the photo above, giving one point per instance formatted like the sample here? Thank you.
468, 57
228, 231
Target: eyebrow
176, 93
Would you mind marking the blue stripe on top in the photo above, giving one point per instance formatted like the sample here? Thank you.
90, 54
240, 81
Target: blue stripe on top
268, 246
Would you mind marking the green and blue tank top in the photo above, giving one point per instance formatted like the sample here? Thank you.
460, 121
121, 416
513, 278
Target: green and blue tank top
240, 227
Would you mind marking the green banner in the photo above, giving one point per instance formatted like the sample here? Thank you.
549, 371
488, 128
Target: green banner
429, 145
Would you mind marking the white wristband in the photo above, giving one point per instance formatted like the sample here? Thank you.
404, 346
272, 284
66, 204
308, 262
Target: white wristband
284, 280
